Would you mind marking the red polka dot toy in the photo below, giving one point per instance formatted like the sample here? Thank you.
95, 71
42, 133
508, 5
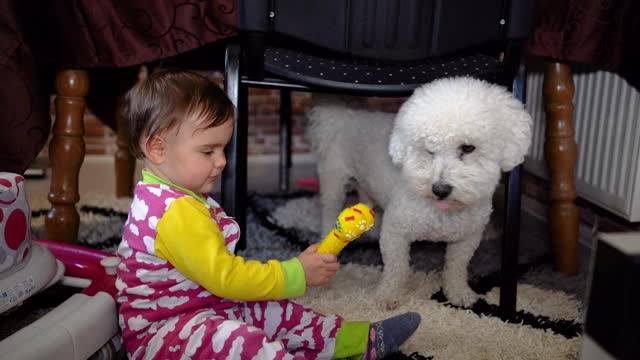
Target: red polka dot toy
15, 221
29, 266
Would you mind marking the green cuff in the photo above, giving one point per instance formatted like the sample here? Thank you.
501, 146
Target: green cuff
294, 281
352, 339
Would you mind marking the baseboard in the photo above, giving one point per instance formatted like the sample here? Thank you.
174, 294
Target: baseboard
263, 171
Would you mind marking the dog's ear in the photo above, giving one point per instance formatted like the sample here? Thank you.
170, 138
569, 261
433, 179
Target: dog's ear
398, 138
397, 148
516, 133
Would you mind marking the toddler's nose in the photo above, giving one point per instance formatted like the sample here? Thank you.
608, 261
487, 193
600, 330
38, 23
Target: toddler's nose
441, 190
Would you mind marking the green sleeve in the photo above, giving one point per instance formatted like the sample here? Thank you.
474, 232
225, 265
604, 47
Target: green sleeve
295, 283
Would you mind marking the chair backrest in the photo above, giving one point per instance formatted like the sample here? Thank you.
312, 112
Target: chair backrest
395, 30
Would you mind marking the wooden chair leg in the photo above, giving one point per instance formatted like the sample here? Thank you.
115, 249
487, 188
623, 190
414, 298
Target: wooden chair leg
66, 153
125, 163
561, 154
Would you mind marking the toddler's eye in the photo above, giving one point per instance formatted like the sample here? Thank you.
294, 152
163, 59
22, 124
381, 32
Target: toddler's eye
207, 152
467, 149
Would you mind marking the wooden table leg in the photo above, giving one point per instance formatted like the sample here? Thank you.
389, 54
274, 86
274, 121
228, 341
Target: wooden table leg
66, 153
125, 162
561, 154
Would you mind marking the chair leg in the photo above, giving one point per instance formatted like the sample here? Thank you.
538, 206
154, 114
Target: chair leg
561, 154
285, 138
511, 233
234, 178
125, 163
66, 153
510, 243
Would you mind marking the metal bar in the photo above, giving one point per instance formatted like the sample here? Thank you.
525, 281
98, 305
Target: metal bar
511, 234
234, 177
285, 138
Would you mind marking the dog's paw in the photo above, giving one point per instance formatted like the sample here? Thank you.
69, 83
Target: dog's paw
388, 300
462, 297
391, 304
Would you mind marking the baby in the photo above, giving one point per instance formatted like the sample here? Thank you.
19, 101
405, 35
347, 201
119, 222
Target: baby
182, 292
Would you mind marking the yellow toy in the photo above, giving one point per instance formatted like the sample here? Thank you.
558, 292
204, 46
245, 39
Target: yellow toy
352, 222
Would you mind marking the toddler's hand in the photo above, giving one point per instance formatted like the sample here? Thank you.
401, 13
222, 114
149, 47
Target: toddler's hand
318, 268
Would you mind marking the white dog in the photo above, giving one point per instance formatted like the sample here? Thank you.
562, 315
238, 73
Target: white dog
433, 169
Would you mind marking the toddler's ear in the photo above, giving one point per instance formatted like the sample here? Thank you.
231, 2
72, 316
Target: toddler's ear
155, 149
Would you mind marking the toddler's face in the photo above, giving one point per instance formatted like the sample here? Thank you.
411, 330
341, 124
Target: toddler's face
195, 156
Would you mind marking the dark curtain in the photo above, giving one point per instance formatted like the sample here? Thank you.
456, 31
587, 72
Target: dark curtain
602, 33
111, 37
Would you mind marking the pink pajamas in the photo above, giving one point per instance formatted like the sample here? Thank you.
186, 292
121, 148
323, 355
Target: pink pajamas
164, 315
241, 332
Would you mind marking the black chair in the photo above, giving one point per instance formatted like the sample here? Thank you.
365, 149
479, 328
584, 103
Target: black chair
372, 48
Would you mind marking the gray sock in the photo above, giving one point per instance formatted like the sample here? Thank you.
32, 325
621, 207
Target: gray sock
386, 336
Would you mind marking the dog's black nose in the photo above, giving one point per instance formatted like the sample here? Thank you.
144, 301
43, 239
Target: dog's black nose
441, 190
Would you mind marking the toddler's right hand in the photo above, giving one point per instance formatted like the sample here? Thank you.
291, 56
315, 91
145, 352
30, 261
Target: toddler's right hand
318, 268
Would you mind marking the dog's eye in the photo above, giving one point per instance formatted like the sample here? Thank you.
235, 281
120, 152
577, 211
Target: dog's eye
467, 149
431, 152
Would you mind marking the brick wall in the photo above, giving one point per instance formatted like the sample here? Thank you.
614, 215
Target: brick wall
264, 121
99, 138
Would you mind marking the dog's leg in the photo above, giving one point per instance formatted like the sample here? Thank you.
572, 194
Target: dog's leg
394, 246
364, 197
333, 182
455, 273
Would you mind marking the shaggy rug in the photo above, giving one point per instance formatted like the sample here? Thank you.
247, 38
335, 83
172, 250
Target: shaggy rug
547, 325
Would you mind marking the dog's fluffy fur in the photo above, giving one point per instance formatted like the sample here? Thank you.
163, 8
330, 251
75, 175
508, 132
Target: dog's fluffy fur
453, 137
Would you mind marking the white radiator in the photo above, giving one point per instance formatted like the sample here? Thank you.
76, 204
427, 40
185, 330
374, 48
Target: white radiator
607, 124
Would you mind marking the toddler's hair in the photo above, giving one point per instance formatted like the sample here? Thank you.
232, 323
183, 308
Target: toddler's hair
166, 98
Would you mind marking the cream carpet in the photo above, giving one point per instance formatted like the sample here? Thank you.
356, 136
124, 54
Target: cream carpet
547, 326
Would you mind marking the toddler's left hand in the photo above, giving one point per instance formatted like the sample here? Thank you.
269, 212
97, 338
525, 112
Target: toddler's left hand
318, 268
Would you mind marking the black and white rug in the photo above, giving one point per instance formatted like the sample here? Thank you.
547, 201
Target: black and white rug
547, 325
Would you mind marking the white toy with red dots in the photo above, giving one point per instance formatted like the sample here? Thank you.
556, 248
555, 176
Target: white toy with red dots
25, 269
83, 326
14, 218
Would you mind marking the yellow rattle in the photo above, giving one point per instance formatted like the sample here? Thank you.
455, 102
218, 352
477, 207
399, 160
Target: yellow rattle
352, 222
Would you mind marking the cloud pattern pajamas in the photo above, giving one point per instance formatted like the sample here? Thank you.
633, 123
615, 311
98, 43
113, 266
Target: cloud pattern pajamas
164, 315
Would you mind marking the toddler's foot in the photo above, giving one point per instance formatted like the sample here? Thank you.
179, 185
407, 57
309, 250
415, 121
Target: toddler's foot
386, 336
